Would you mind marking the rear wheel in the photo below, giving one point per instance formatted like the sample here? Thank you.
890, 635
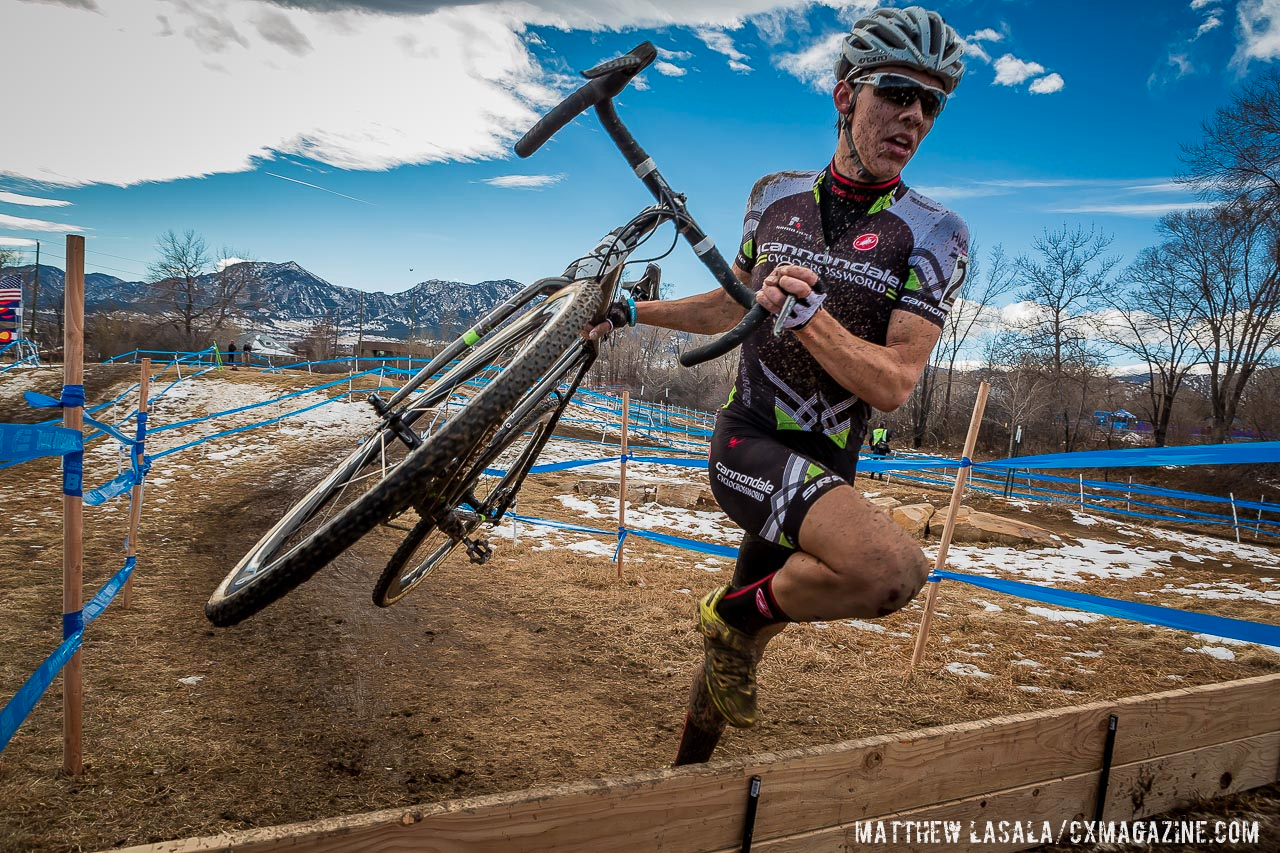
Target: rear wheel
494, 475
380, 481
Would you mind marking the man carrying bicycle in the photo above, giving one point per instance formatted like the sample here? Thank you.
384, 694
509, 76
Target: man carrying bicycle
862, 271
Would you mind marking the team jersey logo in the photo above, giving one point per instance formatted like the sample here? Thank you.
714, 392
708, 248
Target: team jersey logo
794, 223
866, 242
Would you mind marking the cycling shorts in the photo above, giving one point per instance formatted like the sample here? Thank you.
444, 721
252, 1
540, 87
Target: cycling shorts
767, 480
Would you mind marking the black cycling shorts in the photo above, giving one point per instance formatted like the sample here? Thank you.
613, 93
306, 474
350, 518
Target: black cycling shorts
767, 480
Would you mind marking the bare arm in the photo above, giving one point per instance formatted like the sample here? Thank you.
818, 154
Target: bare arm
884, 376
707, 313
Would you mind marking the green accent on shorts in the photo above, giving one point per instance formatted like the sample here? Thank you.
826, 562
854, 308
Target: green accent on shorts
732, 393
469, 337
785, 542
814, 471
841, 438
784, 420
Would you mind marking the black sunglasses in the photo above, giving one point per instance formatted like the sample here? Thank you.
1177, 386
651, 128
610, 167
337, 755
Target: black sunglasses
904, 91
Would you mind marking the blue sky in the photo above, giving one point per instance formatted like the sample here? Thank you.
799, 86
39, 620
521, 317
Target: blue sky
401, 114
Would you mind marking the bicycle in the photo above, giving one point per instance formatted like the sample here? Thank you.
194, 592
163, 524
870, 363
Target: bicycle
515, 372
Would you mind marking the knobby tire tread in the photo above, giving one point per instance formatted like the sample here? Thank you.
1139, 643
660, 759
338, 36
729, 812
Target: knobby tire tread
492, 450
456, 438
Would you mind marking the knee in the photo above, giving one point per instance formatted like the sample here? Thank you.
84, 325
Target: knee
886, 583
899, 586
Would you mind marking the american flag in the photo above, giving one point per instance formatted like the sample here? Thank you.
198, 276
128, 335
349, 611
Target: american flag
10, 288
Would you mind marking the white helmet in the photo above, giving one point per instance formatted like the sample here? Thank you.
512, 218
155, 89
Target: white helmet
915, 37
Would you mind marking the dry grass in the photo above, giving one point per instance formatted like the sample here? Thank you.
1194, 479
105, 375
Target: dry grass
540, 667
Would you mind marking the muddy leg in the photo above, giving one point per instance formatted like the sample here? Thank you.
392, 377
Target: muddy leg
703, 726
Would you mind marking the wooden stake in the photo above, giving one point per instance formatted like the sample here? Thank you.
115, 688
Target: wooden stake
957, 492
72, 506
135, 500
1235, 518
622, 480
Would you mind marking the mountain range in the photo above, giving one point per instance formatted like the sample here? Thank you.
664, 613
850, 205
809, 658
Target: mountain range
288, 301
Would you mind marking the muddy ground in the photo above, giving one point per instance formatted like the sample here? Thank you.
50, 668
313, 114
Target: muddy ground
539, 667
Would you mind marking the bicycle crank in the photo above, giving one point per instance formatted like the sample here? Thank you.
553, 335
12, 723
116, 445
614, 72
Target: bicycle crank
478, 550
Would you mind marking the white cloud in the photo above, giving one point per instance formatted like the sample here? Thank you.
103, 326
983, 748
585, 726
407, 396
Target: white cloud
221, 87
986, 34
1047, 85
679, 55
957, 193
21, 224
1011, 71
1136, 209
975, 50
1200, 4
1163, 187
720, 42
814, 65
16, 241
666, 69
223, 263
1259, 31
31, 201
1211, 23
524, 182
740, 67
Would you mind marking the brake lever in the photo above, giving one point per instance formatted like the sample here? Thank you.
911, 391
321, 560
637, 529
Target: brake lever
787, 305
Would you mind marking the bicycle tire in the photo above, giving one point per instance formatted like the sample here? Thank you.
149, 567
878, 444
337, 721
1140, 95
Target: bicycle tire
541, 337
394, 583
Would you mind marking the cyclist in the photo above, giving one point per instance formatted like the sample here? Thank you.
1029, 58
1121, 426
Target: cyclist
874, 267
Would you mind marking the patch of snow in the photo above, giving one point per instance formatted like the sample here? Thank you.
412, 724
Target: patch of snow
966, 669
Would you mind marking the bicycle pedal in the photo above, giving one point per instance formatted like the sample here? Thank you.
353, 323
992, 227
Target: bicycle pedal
478, 550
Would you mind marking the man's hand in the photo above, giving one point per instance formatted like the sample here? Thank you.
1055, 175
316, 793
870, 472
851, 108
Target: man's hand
792, 280
620, 313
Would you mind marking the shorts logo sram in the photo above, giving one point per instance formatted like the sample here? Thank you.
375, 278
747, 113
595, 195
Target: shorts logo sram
866, 242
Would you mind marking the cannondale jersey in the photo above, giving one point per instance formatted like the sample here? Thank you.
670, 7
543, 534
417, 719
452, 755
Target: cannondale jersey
906, 253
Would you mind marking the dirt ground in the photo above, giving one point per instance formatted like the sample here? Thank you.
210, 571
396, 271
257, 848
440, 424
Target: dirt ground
539, 667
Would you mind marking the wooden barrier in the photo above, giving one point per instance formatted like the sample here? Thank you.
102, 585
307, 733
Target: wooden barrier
1171, 749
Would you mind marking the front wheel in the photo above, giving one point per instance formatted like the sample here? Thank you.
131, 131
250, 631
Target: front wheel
490, 380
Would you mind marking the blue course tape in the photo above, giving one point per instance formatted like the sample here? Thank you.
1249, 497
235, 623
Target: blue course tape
19, 707
687, 544
72, 622
1185, 620
21, 442
73, 474
73, 396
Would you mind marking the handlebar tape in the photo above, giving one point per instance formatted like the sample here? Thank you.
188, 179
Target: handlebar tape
727, 341
606, 80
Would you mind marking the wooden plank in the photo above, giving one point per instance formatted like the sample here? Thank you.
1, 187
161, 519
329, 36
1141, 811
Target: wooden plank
1138, 790
700, 808
73, 509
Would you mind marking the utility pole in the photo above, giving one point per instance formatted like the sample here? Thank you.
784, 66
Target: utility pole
35, 296
360, 328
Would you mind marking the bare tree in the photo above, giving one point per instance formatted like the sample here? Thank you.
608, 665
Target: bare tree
198, 294
1020, 387
1064, 277
1228, 262
1240, 154
982, 287
183, 260
1149, 320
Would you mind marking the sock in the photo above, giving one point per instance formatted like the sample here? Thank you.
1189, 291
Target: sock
752, 608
